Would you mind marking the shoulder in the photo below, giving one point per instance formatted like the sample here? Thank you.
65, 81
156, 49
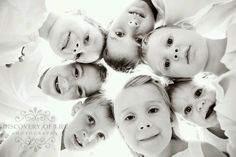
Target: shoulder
209, 150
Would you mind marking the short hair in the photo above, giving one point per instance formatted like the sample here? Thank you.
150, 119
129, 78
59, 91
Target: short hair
122, 64
100, 100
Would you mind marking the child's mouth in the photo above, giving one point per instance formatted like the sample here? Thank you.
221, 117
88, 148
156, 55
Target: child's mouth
67, 41
187, 54
56, 83
210, 111
77, 141
149, 138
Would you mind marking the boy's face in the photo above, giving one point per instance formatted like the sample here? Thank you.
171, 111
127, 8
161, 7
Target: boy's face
196, 102
71, 81
73, 38
127, 30
90, 126
143, 119
176, 52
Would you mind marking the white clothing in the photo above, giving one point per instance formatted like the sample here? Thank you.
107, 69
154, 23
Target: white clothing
226, 108
18, 90
194, 150
19, 25
170, 12
213, 20
216, 141
20, 21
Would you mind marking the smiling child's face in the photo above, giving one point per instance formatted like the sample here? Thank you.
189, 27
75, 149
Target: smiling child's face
143, 119
127, 30
197, 103
71, 81
176, 52
90, 126
73, 38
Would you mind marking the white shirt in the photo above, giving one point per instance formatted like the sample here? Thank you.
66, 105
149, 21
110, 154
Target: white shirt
19, 25
226, 108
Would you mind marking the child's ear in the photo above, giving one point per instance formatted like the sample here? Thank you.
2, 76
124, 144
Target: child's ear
75, 108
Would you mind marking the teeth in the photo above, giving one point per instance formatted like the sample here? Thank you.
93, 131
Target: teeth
136, 14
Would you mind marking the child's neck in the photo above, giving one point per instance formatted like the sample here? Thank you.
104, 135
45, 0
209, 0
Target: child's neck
216, 50
173, 147
217, 131
47, 26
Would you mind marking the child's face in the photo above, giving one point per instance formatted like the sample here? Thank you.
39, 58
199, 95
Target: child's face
127, 30
176, 52
71, 81
143, 119
89, 127
73, 38
195, 102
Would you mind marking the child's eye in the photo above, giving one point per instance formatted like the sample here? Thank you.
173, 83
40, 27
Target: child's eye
101, 136
166, 63
170, 41
129, 117
119, 34
198, 93
187, 110
153, 110
91, 120
86, 39
76, 72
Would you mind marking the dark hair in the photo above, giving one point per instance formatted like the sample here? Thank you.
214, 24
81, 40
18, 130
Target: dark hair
121, 64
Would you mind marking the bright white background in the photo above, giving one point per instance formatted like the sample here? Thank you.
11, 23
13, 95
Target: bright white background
102, 11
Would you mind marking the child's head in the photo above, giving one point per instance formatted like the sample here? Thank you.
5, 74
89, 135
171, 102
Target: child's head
73, 80
125, 36
195, 100
93, 122
175, 52
143, 115
75, 36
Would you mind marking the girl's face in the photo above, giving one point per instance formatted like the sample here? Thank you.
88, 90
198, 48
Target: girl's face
195, 101
143, 119
176, 52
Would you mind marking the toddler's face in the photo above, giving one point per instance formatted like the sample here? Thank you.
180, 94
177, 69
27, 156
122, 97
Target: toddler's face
196, 102
176, 52
73, 38
127, 30
90, 126
71, 81
143, 119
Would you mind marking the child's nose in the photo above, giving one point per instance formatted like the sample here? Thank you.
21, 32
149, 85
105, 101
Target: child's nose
133, 23
144, 125
200, 105
179, 52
